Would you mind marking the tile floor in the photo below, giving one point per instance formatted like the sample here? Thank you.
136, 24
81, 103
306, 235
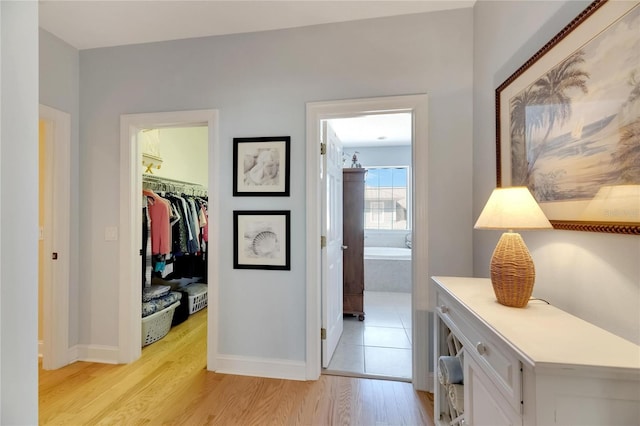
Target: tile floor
379, 346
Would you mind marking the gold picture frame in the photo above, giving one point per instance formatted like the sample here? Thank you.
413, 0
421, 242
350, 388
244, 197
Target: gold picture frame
568, 122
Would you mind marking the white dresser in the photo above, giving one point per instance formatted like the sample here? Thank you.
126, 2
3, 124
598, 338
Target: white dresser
536, 365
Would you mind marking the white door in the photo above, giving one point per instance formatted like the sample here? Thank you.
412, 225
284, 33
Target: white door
54, 247
332, 252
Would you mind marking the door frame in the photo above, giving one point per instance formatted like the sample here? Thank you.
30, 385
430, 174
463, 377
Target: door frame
55, 288
130, 296
417, 105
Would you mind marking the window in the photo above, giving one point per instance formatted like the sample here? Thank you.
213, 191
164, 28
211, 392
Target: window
386, 198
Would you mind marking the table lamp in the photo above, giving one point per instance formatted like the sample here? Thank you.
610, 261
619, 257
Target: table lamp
512, 270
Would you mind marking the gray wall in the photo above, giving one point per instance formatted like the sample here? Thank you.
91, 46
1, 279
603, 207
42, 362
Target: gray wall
260, 83
59, 88
595, 276
18, 213
381, 156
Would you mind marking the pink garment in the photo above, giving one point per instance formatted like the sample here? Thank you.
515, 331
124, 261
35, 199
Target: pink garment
160, 212
204, 223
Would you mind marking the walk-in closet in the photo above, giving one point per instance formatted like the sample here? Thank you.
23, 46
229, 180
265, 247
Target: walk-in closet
174, 228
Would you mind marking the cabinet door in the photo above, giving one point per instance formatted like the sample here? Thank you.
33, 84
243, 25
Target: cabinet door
484, 404
353, 239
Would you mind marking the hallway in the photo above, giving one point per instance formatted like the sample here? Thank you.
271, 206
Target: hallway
170, 385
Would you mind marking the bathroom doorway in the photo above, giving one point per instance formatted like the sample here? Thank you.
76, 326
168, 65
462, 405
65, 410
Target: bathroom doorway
380, 144
317, 114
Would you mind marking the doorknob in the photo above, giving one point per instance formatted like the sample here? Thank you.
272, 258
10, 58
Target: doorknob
344, 247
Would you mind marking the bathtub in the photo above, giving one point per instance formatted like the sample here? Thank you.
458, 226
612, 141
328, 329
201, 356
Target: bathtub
387, 253
387, 269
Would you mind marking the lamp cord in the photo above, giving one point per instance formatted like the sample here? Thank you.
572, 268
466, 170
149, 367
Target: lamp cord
542, 300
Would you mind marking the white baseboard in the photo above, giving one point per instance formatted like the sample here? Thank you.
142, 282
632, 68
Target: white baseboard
88, 353
95, 353
259, 367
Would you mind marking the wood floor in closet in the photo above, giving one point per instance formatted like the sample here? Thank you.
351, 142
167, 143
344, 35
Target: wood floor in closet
170, 385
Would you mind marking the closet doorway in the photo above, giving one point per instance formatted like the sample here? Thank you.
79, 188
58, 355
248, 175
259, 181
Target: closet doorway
135, 129
174, 277
54, 247
317, 113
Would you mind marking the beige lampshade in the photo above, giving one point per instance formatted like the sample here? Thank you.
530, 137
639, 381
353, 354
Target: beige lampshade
512, 208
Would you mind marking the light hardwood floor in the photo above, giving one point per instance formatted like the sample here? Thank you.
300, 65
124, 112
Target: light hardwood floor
170, 385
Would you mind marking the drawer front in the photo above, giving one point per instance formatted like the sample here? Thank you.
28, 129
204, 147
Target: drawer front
489, 351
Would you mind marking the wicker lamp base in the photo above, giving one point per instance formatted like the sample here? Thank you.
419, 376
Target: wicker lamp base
512, 271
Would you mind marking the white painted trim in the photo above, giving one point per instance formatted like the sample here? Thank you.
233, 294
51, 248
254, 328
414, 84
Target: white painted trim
130, 299
96, 353
55, 296
420, 245
259, 367
316, 111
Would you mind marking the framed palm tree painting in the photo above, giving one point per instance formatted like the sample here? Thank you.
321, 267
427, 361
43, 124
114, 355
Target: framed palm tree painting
568, 122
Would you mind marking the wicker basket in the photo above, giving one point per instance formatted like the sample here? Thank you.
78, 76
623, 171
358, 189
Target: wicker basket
156, 326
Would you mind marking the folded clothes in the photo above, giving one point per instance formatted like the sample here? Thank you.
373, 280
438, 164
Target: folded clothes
195, 289
158, 304
450, 370
154, 292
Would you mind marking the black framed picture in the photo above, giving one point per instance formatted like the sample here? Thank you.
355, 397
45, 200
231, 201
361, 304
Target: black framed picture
261, 166
261, 239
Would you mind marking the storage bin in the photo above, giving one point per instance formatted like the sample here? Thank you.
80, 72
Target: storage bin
198, 297
156, 326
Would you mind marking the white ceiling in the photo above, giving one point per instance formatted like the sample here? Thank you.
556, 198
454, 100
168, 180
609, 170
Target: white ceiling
87, 24
374, 130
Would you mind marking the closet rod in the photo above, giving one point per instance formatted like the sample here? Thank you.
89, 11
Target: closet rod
160, 179
156, 183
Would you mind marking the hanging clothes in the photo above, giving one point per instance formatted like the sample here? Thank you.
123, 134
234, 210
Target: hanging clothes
160, 213
204, 221
147, 267
194, 246
181, 219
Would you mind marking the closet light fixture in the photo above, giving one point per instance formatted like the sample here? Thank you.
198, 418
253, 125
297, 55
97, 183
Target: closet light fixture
151, 159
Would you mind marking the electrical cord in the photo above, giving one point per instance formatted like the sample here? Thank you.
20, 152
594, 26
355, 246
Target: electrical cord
542, 300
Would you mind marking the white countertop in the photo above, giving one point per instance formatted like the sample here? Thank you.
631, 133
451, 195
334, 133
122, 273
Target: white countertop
542, 333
